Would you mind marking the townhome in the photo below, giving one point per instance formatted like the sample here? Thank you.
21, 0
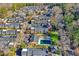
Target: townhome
13, 25
11, 20
2, 25
40, 24
34, 52
8, 33
19, 19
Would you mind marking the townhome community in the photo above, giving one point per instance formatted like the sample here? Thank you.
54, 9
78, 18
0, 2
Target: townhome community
38, 30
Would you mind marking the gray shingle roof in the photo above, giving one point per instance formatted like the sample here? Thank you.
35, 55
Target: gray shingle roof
36, 52
11, 19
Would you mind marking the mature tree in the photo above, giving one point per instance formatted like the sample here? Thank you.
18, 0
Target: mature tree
12, 51
76, 36
57, 10
68, 18
3, 11
23, 45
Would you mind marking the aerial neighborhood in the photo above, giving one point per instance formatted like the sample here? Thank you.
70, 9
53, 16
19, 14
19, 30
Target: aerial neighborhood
39, 30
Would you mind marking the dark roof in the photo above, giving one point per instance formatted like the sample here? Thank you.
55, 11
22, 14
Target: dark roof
18, 51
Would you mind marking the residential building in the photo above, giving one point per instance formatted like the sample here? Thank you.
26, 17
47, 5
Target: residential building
34, 52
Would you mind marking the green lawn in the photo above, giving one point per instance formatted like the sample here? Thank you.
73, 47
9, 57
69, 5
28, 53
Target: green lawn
54, 36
